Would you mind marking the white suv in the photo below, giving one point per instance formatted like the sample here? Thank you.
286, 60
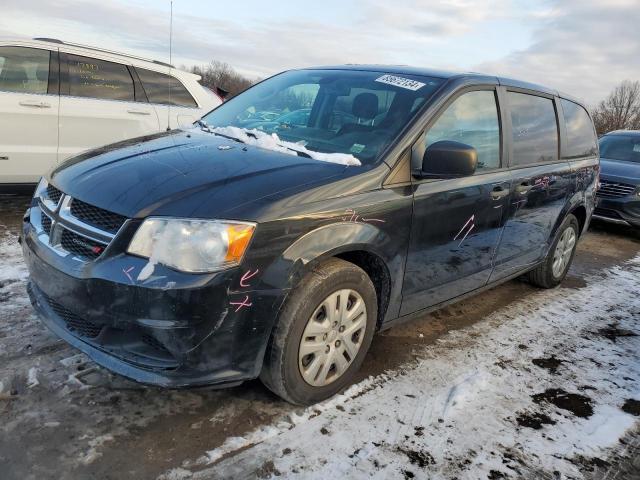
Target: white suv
58, 99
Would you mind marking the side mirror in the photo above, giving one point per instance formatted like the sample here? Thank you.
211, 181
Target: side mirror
449, 159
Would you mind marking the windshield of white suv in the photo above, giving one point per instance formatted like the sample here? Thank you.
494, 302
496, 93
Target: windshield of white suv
621, 147
340, 114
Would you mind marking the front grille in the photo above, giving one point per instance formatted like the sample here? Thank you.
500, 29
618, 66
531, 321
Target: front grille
46, 223
97, 217
81, 246
61, 221
53, 194
615, 190
73, 322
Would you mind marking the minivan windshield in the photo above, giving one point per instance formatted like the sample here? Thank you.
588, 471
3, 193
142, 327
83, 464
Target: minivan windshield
621, 147
325, 114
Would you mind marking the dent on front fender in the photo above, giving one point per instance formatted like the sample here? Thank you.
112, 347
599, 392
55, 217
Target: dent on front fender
321, 243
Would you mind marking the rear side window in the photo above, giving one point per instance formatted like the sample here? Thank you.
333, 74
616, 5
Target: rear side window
165, 89
93, 78
24, 70
471, 119
534, 129
581, 137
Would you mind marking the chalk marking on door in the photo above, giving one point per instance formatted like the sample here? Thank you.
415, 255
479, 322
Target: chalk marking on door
470, 223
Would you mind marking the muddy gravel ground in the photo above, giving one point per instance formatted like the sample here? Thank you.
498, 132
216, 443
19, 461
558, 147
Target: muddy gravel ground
61, 416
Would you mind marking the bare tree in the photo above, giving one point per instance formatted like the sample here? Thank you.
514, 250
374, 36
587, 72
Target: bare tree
620, 110
222, 75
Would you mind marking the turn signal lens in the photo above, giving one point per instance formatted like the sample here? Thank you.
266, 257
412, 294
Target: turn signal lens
239, 237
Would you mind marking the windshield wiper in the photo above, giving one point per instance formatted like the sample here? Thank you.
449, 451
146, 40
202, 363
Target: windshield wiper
207, 128
299, 152
249, 134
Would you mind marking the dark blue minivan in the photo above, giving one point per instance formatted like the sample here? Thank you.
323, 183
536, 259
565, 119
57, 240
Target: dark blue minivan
240, 248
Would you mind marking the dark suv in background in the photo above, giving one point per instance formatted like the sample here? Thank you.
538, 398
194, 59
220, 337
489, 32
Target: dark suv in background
217, 254
619, 193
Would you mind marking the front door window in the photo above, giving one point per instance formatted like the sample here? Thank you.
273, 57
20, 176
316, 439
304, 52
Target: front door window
471, 119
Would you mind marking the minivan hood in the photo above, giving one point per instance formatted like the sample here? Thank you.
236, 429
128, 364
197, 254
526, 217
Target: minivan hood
620, 170
183, 173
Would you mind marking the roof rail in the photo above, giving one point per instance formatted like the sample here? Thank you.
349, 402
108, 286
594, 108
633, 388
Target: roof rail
104, 50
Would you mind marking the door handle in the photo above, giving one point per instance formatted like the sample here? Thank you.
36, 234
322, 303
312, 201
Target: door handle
499, 192
139, 112
523, 188
4, 157
35, 103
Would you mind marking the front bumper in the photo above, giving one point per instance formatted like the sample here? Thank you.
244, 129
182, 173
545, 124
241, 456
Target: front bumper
172, 330
623, 210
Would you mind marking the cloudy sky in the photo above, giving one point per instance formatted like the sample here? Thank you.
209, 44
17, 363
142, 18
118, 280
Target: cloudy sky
583, 47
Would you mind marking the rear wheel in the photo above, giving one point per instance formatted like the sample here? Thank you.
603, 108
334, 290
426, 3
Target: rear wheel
556, 265
323, 334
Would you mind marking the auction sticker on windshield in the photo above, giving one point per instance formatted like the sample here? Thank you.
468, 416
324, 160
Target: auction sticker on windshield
400, 82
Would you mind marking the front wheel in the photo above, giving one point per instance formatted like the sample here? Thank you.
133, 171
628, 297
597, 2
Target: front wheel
556, 264
322, 335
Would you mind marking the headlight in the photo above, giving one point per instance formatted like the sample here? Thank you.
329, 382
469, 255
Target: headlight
194, 246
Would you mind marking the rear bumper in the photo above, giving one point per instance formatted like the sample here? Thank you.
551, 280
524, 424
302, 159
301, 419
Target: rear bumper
175, 330
624, 210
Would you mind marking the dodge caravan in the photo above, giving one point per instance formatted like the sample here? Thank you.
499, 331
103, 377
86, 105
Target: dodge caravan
219, 253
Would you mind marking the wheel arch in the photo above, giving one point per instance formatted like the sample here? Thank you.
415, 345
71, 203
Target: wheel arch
575, 206
361, 244
378, 273
580, 212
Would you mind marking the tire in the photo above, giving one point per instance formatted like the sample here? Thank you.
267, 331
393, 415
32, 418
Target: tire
305, 311
546, 275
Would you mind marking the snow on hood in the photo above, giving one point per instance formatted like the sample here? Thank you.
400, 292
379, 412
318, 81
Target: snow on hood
273, 142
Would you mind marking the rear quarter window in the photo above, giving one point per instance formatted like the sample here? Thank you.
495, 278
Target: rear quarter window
534, 129
165, 89
581, 136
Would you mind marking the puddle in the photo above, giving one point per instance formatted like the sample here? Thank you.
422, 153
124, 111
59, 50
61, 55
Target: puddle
579, 405
552, 363
631, 406
612, 332
534, 420
420, 458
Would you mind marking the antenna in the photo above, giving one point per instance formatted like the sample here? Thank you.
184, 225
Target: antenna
170, 60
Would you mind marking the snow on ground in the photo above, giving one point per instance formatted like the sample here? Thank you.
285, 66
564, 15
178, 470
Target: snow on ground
534, 391
13, 268
13, 300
